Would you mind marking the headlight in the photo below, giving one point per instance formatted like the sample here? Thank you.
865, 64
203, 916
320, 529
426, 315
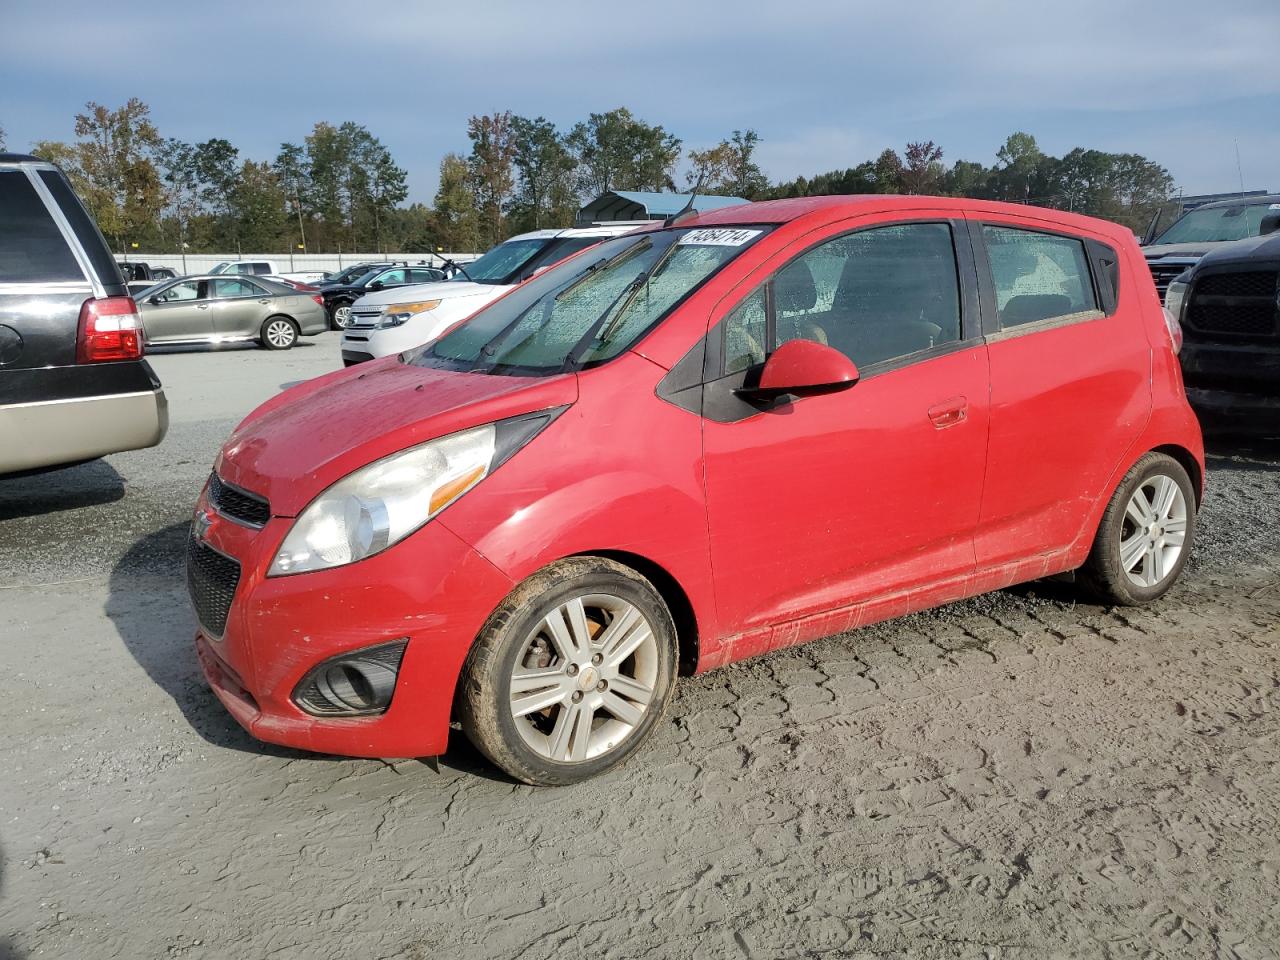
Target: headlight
1175, 297
381, 504
394, 314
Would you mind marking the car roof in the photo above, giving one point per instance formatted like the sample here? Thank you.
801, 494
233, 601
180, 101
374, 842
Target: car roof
599, 230
1239, 202
20, 158
828, 208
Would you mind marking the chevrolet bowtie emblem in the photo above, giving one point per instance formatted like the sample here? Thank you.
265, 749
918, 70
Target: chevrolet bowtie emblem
200, 525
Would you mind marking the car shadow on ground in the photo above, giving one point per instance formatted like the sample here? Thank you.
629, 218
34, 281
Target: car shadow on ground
148, 606
162, 349
147, 603
51, 491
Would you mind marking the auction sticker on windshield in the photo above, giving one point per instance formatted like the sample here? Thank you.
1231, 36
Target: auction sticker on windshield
718, 237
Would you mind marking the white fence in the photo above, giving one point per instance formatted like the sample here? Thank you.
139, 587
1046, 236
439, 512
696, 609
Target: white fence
194, 263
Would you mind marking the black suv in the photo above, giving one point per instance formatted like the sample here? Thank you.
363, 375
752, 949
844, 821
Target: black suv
73, 384
338, 297
1229, 307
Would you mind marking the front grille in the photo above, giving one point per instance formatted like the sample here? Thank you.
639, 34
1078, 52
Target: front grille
237, 504
1164, 274
1241, 304
211, 579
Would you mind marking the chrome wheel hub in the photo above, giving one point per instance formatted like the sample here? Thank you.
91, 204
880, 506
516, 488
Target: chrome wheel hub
342, 316
280, 333
584, 679
1154, 531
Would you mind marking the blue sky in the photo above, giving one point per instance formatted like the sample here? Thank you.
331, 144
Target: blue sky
826, 84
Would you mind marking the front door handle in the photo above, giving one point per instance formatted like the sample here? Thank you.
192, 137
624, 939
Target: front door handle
949, 412
202, 306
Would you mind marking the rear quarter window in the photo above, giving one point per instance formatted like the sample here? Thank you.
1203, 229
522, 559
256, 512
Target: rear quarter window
1038, 276
32, 248
82, 225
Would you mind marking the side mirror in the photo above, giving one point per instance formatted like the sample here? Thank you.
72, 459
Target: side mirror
376, 285
1270, 223
154, 298
803, 368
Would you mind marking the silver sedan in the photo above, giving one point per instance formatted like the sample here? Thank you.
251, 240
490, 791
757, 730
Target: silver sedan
216, 309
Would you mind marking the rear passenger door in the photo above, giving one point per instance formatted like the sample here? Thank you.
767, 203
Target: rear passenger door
239, 306
1070, 383
867, 494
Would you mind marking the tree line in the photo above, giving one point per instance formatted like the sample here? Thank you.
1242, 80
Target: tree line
341, 189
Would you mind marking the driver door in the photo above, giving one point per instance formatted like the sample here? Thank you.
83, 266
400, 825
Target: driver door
820, 506
180, 313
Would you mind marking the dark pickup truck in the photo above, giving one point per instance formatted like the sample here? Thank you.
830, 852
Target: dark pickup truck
1229, 308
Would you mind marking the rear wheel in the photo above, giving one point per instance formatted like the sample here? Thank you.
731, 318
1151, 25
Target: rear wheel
279, 333
571, 673
1146, 533
340, 316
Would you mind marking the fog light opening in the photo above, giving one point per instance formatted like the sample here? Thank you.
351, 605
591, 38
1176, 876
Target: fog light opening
358, 683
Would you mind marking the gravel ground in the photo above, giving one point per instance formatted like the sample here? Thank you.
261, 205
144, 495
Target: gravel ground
1021, 775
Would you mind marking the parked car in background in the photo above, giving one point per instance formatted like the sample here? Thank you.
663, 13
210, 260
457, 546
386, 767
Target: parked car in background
263, 268
338, 297
138, 276
230, 309
1229, 308
690, 445
73, 382
1206, 228
385, 322
354, 271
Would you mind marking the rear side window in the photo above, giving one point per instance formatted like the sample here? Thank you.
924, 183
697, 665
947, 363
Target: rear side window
1038, 276
32, 248
82, 225
234, 288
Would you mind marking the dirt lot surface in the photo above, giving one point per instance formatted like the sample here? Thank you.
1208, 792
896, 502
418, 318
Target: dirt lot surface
1021, 775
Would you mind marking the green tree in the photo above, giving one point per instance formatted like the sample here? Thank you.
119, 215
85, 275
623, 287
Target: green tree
615, 151
729, 168
1021, 171
257, 203
114, 165
457, 216
490, 171
544, 194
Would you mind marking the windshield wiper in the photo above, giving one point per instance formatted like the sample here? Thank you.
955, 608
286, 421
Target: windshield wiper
590, 338
449, 261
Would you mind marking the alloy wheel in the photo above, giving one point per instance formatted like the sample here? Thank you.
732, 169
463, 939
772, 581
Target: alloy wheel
1154, 530
584, 678
281, 334
342, 317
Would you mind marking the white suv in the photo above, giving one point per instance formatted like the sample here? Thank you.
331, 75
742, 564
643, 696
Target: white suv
392, 321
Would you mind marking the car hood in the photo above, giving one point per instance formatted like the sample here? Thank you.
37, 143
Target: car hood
1253, 250
308, 437
440, 290
1179, 250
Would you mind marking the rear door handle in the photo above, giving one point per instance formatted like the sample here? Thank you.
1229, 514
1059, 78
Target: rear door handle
949, 412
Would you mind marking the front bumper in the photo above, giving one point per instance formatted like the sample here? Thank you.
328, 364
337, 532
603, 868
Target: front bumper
1234, 388
431, 588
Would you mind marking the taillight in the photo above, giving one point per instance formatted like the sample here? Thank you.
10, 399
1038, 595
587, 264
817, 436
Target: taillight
110, 329
318, 299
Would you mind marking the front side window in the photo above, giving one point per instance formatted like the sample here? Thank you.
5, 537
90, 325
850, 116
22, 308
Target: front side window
591, 309
875, 295
32, 248
391, 277
187, 290
425, 276
1038, 276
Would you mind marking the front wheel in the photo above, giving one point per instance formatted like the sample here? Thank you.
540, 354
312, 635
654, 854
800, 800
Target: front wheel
571, 673
1146, 533
279, 333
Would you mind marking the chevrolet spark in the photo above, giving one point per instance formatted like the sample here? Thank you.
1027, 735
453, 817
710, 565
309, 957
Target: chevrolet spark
683, 447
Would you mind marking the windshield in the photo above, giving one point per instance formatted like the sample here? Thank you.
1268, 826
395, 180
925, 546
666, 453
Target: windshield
366, 278
589, 309
220, 268
349, 274
502, 261
1217, 224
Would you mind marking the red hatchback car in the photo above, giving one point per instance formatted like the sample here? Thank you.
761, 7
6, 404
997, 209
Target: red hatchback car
683, 447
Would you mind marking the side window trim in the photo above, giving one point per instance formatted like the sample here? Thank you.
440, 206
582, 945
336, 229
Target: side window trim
1105, 298
967, 283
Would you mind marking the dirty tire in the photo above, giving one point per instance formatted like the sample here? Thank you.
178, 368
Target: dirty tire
278, 333
484, 702
1103, 574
